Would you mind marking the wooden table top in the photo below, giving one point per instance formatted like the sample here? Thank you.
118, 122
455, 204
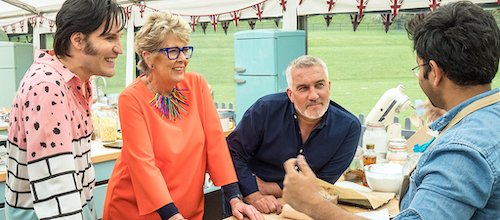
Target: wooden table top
392, 206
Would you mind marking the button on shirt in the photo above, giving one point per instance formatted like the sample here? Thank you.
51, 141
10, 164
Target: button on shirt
269, 134
458, 178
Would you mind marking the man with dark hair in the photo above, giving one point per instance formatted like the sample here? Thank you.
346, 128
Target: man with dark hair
49, 171
458, 176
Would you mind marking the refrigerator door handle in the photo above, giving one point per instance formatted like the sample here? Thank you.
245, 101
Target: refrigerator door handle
239, 70
239, 81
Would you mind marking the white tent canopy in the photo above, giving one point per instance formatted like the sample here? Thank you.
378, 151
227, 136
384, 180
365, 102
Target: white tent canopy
16, 15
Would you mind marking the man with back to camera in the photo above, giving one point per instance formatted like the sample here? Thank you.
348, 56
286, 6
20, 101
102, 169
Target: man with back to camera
302, 121
49, 171
457, 177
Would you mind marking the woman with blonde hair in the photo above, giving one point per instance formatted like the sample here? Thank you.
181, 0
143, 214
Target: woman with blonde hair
171, 134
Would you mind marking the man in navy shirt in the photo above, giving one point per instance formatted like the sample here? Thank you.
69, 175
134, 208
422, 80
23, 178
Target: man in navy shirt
302, 121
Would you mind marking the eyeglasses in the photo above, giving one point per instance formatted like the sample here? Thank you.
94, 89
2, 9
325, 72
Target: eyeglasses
416, 70
173, 53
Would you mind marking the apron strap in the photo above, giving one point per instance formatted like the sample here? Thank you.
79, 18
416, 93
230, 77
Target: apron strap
478, 104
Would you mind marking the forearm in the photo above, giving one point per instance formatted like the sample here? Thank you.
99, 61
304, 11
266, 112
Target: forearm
324, 210
269, 188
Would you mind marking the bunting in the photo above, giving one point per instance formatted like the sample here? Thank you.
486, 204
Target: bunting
142, 9
259, 8
361, 4
13, 27
355, 20
214, 19
387, 20
204, 27
235, 15
51, 24
225, 26
252, 24
21, 24
283, 4
434, 4
194, 21
331, 3
328, 19
128, 11
277, 22
395, 6
300, 3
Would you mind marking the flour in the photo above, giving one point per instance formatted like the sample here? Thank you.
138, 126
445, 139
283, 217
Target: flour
385, 177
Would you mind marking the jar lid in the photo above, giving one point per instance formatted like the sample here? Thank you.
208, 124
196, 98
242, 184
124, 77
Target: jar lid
375, 124
398, 140
359, 152
397, 146
107, 107
370, 146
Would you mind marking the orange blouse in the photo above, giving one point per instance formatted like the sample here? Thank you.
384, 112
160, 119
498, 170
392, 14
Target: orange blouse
164, 161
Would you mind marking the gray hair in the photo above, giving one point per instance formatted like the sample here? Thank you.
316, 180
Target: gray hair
303, 62
153, 33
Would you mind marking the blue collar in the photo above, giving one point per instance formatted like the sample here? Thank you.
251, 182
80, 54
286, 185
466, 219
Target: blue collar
445, 119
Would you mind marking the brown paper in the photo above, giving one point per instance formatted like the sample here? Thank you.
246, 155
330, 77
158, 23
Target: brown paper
420, 137
371, 200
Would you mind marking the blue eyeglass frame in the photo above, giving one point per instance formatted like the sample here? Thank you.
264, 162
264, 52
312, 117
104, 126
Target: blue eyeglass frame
181, 50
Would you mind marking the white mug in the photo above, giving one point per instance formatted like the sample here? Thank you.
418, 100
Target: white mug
225, 123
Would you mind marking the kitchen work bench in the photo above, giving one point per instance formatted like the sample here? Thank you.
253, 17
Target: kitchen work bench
392, 206
104, 159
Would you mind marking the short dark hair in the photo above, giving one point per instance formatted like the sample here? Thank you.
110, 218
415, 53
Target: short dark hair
462, 38
85, 16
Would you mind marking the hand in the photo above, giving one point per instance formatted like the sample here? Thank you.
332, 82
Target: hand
431, 113
269, 188
264, 204
300, 189
177, 217
239, 208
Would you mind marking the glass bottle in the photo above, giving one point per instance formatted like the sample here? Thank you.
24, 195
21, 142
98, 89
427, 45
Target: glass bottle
107, 124
375, 134
355, 171
369, 157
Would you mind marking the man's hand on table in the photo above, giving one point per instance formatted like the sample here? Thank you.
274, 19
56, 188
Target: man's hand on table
264, 203
269, 188
239, 208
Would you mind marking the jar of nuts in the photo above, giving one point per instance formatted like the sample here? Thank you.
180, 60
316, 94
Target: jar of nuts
107, 124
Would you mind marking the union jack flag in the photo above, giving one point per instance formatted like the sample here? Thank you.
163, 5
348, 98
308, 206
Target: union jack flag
434, 4
395, 6
361, 6
194, 21
214, 19
259, 8
235, 15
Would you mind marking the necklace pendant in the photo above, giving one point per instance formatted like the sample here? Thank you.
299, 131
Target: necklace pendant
172, 105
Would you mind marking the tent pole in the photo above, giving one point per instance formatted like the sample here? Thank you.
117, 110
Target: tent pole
130, 73
290, 16
36, 38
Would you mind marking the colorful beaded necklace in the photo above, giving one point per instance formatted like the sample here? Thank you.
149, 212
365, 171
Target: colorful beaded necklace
171, 105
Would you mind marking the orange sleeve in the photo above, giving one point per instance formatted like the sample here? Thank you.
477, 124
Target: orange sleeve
219, 163
148, 183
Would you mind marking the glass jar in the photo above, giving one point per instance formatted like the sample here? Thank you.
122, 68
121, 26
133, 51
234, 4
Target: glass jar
397, 153
107, 124
369, 157
375, 134
411, 162
355, 171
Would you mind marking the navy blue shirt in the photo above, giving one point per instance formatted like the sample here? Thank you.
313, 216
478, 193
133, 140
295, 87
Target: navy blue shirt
269, 134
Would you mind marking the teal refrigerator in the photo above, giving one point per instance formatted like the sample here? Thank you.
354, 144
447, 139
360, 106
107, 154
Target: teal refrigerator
260, 61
